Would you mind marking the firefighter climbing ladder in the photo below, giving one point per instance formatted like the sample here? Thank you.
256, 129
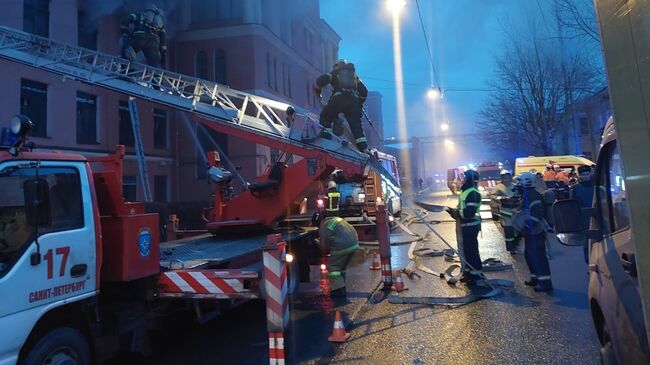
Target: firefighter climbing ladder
139, 149
217, 103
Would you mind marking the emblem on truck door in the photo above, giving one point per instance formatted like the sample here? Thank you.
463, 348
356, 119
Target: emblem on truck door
144, 242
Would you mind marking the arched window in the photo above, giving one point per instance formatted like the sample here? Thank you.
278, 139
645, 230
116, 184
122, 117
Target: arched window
220, 66
201, 65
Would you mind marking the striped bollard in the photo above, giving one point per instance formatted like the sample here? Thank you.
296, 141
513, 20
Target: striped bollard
383, 235
277, 305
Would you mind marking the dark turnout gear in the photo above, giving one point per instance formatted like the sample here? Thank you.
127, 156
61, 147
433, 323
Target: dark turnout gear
333, 202
583, 192
529, 221
340, 239
507, 204
145, 32
469, 221
348, 97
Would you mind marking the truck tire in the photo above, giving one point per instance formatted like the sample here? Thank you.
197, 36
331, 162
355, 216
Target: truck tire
61, 346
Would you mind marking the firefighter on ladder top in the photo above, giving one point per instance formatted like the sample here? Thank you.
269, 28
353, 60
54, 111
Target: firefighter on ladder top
348, 97
145, 32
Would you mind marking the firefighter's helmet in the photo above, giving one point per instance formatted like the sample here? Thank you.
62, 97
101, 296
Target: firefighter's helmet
340, 63
331, 184
526, 180
471, 176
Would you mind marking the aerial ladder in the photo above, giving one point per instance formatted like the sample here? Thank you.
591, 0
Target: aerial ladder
221, 108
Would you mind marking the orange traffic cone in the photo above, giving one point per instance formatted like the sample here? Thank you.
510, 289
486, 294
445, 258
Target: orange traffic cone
338, 333
399, 284
376, 262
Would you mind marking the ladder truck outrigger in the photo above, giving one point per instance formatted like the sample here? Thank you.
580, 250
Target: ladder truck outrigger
82, 269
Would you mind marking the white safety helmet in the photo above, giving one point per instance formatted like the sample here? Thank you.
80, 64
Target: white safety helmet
504, 172
331, 185
340, 63
526, 179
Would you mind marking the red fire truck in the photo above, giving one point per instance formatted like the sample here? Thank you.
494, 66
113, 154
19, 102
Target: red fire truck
85, 269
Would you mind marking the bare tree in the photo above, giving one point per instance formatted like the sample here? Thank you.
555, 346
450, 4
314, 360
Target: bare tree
578, 18
533, 86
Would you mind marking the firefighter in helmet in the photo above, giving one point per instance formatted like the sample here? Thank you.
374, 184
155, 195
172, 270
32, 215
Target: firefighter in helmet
145, 32
333, 199
468, 216
530, 222
348, 97
504, 191
340, 239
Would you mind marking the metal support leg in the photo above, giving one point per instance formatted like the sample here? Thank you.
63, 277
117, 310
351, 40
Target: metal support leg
383, 235
277, 304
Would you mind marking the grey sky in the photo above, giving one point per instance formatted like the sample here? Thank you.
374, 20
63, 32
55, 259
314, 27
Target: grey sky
464, 36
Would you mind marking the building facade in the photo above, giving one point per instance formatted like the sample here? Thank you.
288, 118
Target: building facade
272, 48
585, 121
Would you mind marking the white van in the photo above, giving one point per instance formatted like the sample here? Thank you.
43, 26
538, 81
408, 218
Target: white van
614, 292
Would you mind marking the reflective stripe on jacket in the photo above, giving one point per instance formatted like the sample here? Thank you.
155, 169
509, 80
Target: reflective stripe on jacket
464, 204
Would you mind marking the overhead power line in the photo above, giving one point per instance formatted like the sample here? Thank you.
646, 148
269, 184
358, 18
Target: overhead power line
426, 40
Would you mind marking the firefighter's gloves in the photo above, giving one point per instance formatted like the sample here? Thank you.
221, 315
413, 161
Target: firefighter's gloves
318, 91
453, 213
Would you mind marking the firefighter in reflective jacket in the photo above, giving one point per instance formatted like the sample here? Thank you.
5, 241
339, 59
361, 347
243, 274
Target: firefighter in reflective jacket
530, 222
468, 216
145, 32
333, 199
340, 239
504, 190
348, 97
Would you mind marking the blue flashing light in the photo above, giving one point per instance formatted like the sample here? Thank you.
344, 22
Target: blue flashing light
8, 138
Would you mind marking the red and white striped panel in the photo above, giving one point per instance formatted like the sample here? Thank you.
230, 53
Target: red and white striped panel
275, 283
276, 348
217, 284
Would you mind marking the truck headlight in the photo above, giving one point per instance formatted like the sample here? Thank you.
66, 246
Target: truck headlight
288, 258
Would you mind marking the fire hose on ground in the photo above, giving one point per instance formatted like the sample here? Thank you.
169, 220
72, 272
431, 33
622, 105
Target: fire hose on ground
495, 285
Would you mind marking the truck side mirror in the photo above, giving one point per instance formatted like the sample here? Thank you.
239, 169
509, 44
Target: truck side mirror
37, 202
567, 216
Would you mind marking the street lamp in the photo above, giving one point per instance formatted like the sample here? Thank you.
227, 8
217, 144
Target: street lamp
449, 143
395, 6
444, 126
434, 93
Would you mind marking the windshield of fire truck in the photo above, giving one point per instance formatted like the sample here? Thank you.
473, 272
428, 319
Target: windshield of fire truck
66, 210
14, 230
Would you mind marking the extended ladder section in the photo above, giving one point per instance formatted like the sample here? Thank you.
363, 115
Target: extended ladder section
228, 109
235, 113
139, 150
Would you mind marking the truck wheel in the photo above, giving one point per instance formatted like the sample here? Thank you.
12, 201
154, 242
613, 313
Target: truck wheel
61, 346
607, 354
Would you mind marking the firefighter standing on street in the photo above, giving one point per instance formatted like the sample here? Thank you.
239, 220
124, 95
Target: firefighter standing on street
529, 221
333, 199
505, 191
348, 97
468, 216
340, 239
583, 192
145, 32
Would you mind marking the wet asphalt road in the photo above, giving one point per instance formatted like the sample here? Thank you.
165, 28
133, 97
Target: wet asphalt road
519, 326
